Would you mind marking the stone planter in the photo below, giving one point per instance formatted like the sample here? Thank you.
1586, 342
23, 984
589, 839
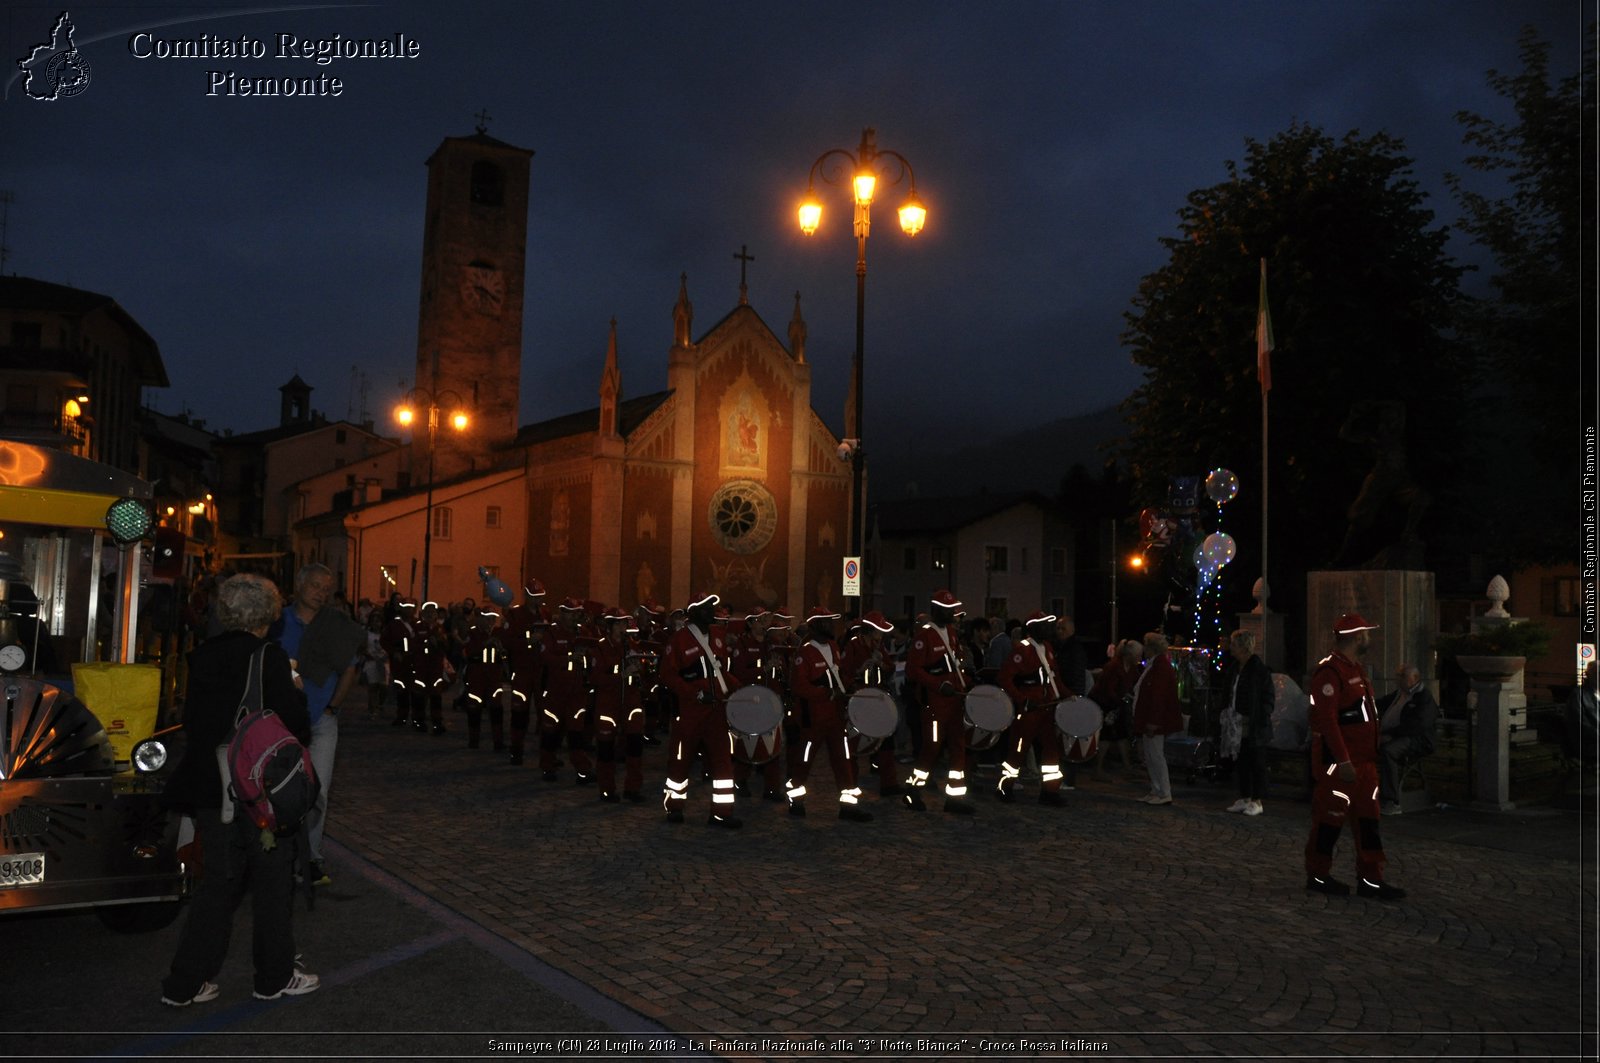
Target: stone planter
1491, 669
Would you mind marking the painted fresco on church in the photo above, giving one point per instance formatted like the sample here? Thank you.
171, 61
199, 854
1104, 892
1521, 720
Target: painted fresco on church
644, 582
746, 424
744, 582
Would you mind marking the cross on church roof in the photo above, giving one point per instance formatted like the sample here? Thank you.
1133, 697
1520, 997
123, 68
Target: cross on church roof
484, 118
745, 258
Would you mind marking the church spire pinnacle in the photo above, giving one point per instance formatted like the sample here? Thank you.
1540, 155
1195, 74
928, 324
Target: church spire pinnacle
682, 314
797, 333
610, 386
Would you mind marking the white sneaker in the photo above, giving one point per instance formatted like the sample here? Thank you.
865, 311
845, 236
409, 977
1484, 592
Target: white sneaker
207, 991
1239, 805
298, 986
1253, 808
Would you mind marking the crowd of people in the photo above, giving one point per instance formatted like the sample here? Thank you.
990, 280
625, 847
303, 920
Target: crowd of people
764, 691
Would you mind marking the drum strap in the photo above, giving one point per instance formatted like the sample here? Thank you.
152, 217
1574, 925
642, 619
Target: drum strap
950, 658
1046, 674
827, 659
716, 665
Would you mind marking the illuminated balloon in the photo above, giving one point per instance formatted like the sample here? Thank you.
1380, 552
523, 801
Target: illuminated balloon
1218, 549
1221, 486
494, 588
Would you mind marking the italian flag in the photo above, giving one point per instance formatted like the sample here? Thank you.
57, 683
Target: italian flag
1264, 342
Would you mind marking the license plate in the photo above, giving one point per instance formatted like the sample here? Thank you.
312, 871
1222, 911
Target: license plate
23, 869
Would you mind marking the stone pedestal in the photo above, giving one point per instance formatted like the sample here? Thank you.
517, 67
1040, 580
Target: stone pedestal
1401, 603
1268, 630
1491, 750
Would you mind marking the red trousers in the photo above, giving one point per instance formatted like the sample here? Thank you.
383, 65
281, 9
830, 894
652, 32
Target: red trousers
1030, 726
944, 726
700, 726
826, 731
607, 731
564, 715
1333, 802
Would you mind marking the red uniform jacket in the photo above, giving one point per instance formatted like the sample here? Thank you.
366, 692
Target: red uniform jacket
932, 661
615, 691
398, 639
814, 681
565, 671
686, 670
746, 657
428, 653
485, 662
1029, 674
1157, 703
1343, 713
861, 669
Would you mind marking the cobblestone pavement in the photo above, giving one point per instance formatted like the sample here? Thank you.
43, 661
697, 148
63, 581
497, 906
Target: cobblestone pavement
1153, 930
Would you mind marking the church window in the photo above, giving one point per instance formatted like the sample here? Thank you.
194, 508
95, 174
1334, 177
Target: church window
491, 517
441, 522
941, 558
488, 184
743, 516
996, 559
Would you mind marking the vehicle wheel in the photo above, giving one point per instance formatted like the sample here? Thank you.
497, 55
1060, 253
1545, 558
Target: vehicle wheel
138, 918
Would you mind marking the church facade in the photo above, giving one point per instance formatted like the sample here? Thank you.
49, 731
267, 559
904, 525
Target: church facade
726, 481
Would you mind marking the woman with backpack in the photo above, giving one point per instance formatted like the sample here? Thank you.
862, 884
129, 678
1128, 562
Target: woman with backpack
234, 856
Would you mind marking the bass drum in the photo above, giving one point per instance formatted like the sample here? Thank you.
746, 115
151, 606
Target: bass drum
989, 716
873, 716
755, 724
1079, 721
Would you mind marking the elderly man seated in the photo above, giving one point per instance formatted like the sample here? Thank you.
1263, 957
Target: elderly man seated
1407, 721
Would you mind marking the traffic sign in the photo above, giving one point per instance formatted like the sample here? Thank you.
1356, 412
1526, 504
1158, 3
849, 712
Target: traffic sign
852, 577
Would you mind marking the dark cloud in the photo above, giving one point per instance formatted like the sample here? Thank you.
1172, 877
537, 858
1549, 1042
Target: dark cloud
1053, 144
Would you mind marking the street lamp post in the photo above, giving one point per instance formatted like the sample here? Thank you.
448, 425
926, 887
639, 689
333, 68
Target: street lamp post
865, 168
433, 401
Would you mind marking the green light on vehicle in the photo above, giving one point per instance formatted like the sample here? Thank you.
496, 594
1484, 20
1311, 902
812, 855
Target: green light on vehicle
128, 520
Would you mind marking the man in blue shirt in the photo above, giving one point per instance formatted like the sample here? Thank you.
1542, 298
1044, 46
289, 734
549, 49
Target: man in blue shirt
323, 643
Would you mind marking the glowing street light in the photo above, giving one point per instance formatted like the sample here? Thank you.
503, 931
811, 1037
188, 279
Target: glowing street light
864, 170
433, 402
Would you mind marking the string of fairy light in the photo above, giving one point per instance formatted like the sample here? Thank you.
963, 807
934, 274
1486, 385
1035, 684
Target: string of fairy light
1210, 557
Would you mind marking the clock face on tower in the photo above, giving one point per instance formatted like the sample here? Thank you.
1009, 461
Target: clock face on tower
483, 289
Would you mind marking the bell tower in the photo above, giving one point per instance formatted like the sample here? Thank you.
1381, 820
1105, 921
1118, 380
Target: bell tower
469, 330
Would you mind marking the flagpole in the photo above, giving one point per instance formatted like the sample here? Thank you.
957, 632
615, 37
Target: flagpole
1264, 345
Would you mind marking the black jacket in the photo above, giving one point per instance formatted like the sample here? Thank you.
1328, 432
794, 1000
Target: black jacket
1418, 720
218, 669
1253, 699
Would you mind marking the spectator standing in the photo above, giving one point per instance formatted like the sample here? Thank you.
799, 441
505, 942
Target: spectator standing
1156, 715
1250, 699
375, 669
1113, 692
231, 849
325, 647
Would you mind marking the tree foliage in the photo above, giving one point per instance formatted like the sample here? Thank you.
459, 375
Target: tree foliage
1363, 298
1528, 336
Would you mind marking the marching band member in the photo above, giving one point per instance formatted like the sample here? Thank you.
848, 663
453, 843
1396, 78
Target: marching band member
429, 669
564, 706
819, 691
867, 664
934, 667
484, 679
614, 675
1029, 676
524, 628
399, 636
695, 669
753, 663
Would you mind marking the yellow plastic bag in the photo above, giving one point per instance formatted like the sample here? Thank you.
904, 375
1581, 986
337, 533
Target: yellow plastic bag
125, 698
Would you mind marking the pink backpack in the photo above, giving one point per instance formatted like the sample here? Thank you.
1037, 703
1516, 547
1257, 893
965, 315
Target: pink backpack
269, 771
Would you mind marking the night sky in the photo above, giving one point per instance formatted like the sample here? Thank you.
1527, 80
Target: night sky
1053, 144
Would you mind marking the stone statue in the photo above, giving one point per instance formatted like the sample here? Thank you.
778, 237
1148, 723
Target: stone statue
1384, 517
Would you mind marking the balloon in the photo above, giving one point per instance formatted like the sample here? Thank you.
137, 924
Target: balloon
1221, 486
1218, 549
494, 588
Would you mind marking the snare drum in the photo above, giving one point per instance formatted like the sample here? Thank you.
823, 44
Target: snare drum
755, 721
1079, 721
989, 715
873, 716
